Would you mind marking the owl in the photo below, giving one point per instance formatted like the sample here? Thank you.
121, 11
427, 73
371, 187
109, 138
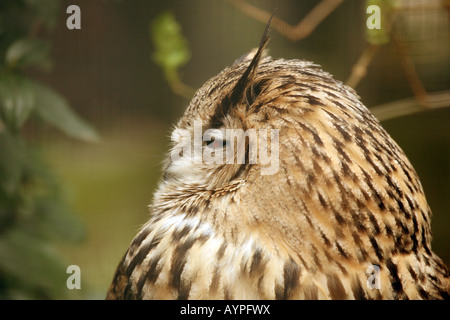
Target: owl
281, 184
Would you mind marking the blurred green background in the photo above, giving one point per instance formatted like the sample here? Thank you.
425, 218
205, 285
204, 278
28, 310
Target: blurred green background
107, 74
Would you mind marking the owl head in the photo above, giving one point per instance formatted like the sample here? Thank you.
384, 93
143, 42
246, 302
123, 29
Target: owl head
231, 129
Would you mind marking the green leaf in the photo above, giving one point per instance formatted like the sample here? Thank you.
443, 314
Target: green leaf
16, 100
172, 50
58, 222
13, 155
32, 264
55, 110
28, 52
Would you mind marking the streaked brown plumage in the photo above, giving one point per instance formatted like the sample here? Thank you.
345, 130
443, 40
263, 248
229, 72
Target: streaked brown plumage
345, 197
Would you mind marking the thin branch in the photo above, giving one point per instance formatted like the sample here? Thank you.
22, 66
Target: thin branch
410, 71
383, 112
177, 85
182, 89
423, 6
297, 32
403, 107
359, 70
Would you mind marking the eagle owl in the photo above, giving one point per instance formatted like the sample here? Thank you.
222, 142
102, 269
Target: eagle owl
337, 212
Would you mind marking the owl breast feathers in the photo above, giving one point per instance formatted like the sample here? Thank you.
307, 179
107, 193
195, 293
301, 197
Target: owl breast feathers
342, 215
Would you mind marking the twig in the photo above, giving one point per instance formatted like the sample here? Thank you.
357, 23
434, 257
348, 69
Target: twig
410, 71
182, 89
177, 85
422, 6
359, 70
294, 33
403, 107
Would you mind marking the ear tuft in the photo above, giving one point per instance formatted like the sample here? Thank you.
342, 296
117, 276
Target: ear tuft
250, 55
244, 90
246, 80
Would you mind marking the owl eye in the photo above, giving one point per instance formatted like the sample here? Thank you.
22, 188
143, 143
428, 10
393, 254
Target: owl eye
214, 138
214, 144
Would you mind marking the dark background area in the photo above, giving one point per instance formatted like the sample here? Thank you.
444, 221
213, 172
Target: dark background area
106, 72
